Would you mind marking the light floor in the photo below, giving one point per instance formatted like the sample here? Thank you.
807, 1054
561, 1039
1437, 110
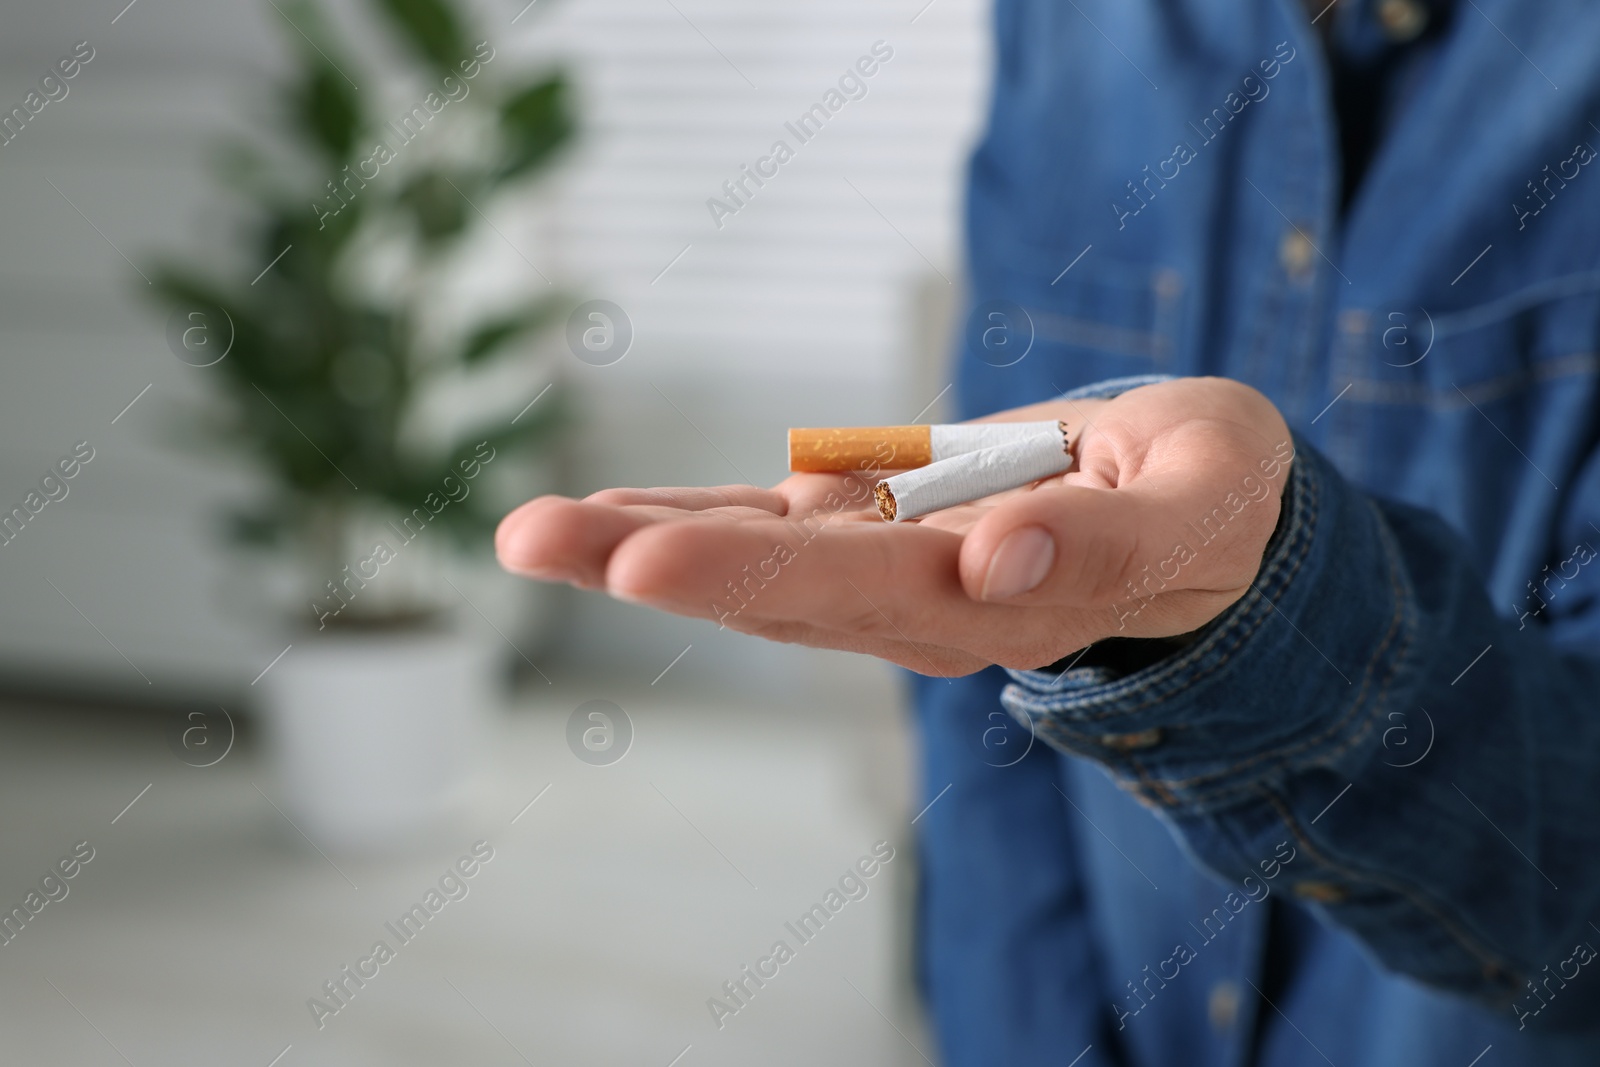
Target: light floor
595, 936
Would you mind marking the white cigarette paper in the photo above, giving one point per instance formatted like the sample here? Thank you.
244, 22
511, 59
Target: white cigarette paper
973, 475
956, 439
901, 448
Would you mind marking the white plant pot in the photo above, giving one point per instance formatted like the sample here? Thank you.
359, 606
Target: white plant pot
376, 738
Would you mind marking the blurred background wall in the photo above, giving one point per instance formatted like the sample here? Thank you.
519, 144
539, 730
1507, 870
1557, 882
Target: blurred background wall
823, 301
622, 896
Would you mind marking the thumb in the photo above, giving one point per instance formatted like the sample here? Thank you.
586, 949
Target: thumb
1088, 546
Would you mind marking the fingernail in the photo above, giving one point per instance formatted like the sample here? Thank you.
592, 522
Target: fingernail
1019, 564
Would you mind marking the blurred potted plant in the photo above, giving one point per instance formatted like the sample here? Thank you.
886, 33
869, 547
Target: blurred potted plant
328, 361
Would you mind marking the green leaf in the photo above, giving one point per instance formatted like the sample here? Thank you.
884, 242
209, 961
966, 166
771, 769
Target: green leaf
324, 102
320, 225
182, 289
438, 204
327, 111
318, 378
494, 336
535, 122
431, 27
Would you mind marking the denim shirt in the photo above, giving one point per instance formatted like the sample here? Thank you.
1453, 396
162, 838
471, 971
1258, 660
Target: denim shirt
1356, 818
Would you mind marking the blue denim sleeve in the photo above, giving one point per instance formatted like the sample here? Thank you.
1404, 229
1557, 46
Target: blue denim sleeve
1436, 765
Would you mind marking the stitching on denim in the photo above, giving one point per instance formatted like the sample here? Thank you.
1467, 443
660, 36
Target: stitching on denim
1536, 296
1180, 674
1238, 630
1398, 592
1159, 689
1481, 953
1083, 333
1170, 293
1398, 624
1272, 309
1157, 789
1402, 600
1373, 391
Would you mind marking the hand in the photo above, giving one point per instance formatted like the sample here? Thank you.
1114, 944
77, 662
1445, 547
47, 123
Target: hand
1160, 525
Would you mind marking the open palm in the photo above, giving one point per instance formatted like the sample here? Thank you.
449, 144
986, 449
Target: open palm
1159, 526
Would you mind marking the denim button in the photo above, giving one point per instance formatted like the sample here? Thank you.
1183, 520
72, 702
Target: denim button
1403, 20
1130, 742
1295, 252
1222, 1006
1321, 892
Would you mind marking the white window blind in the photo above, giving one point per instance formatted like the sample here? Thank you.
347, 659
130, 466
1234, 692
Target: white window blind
816, 269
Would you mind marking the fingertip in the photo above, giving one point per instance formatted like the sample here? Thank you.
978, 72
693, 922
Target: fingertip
993, 565
556, 538
512, 528
524, 540
641, 567
1018, 565
1059, 545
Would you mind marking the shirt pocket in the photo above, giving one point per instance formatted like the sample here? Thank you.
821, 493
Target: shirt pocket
1044, 324
1478, 413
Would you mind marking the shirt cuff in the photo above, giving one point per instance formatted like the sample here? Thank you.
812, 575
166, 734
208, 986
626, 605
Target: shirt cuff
1290, 676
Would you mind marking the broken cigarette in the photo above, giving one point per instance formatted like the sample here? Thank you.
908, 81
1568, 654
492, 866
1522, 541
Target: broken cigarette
852, 448
973, 475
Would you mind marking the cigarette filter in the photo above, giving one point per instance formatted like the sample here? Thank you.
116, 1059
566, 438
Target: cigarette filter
972, 475
851, 448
